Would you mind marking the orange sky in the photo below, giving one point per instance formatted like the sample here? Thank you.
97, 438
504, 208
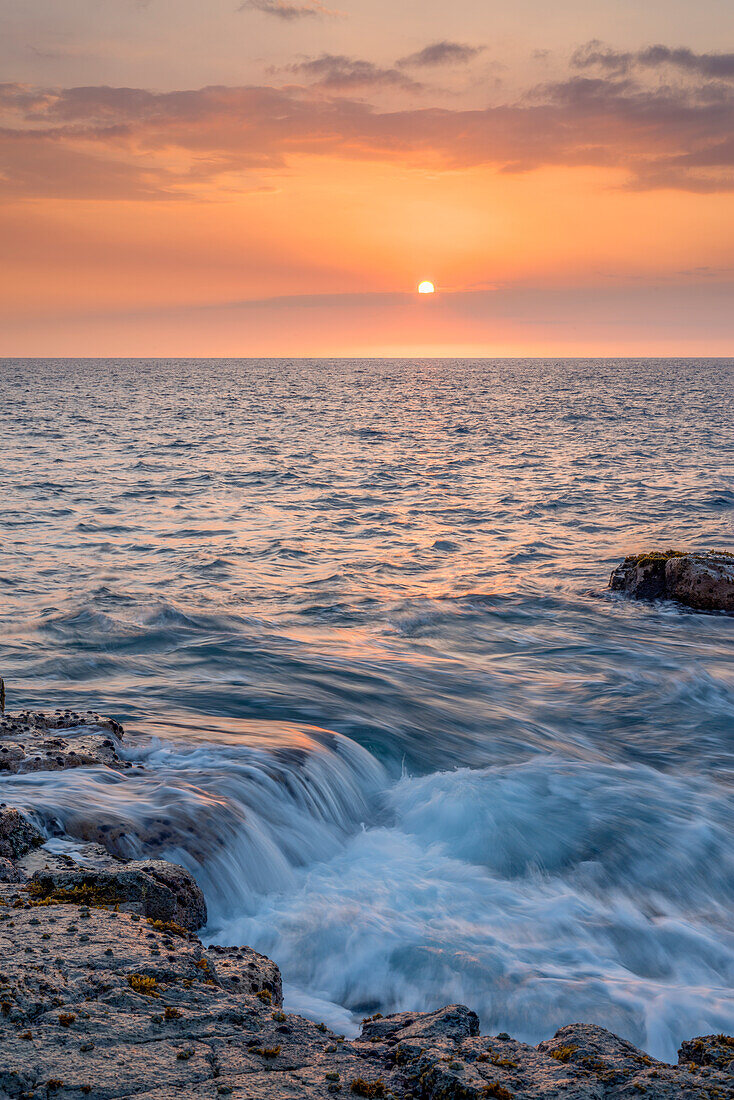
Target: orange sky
567, 197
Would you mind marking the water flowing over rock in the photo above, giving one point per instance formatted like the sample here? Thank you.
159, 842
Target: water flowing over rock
106, 992
107, 1004
702, 581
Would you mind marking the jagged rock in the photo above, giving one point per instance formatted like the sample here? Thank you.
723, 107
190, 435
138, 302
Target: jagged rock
703, 581
502, 1069
34, 741
452, 1022
708, 1050
581, 1062
153, 888
107, 1005
242, 970
17, 834
9, 871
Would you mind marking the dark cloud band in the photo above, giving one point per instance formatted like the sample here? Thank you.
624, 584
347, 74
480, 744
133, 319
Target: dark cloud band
441, 53
714, 66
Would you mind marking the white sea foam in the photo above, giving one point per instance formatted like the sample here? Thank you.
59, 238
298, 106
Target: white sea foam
506, 889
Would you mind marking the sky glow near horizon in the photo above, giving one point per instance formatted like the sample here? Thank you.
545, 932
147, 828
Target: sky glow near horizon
276, 177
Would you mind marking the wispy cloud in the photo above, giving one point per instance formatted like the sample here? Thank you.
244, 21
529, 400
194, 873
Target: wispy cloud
287, 10
714, 66
338, 71
133, 143
441, 53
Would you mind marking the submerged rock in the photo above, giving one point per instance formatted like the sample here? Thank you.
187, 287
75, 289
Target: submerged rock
43, 858
703, 581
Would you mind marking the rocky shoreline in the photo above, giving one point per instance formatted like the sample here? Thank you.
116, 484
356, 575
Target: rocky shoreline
106, 991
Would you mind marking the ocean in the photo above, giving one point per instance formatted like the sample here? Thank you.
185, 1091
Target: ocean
352, 615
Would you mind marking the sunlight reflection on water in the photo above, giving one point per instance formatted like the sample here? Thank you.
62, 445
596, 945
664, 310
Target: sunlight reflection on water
323, 587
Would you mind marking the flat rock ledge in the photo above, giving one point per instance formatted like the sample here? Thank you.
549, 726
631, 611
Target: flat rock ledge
34, 741
106, 992
702, 581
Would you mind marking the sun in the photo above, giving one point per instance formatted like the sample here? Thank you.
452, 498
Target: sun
426, 288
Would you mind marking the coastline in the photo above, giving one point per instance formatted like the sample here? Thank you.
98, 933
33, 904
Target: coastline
102, 969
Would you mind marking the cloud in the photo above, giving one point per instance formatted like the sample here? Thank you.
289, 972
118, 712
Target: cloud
134, 143
286, 9
441, 53
38, 165
713, 66
338, 71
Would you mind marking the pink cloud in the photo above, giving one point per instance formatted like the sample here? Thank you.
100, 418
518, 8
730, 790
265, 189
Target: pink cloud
133, 143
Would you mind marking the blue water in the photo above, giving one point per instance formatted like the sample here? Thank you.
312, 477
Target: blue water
351, 614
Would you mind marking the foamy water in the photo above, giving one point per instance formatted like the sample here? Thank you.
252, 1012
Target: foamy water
351, 616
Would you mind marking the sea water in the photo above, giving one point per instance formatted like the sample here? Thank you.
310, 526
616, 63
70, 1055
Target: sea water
352, 616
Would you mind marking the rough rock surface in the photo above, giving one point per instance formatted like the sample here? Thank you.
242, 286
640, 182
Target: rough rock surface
17, 834
9, 871
107, 1004
702, 581
87, 856
153, 888
34, 741
709, 1050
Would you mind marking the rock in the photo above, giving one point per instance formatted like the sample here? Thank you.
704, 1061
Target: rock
17, 834
502, 1069
87, 856
189, 904
107, 1004
703, 581
641, 576
153, 888
452, 1022
242, 970
34, 741
708, 1050
581, 1062
9, 871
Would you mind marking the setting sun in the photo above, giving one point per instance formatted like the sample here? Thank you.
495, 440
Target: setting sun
378, 526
